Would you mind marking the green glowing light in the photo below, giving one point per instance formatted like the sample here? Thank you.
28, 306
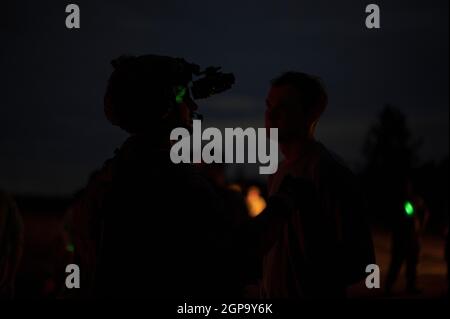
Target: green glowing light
70, 248
180, 93
409, 208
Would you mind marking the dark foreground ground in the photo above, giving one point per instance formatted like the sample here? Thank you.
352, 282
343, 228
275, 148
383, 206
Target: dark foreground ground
45, 257
431, 270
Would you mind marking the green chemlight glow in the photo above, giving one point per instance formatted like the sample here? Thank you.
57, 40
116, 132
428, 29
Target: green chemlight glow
70, 248
409, 208
180, 93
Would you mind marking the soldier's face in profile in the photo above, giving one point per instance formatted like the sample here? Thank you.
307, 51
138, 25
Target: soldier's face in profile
283, 111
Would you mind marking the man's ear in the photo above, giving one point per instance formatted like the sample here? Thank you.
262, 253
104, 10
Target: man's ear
312, 128
312, 121
315, 114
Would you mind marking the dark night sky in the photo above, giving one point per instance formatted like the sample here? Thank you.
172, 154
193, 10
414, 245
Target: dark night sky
52, 129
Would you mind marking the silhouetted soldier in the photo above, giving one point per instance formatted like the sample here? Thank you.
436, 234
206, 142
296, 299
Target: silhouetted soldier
410, 219
160, 232
325, 245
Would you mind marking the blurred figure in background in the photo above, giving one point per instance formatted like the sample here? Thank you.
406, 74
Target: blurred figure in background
11, 244
410, 220
447, 258
83, 228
